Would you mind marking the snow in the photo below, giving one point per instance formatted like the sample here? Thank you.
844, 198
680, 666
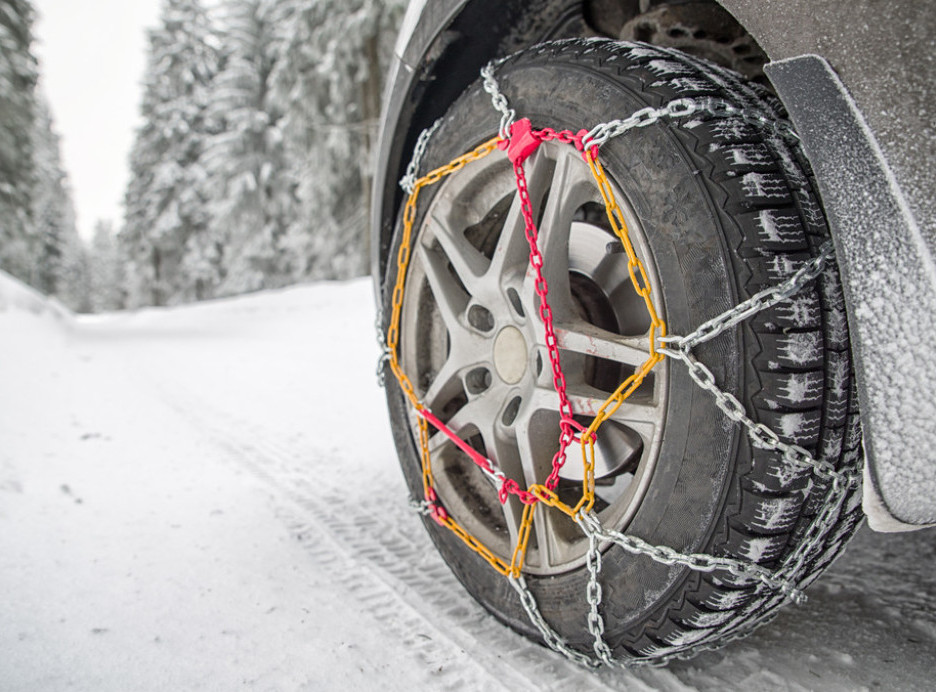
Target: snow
800, 347
665, 68
764, 185
689, 85
208, 498
776, 513
760, 548
797, 387
775, 228
792, 425
749, 155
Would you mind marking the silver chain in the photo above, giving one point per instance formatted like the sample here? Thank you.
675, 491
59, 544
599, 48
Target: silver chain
384, 356
785, 579
408, 181
761, 436
645, 117
421, 507
491, 86
593, 594
550, 636
759, 301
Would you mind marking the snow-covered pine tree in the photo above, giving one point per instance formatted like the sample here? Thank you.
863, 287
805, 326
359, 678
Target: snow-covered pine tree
74, 282
18, 75
253, 191
166, 196
53, 216
328, 83
106, 273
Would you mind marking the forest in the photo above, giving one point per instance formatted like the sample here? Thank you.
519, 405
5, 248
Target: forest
251, 168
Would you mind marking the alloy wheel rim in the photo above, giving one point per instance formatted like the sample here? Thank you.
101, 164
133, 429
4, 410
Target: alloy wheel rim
473, 345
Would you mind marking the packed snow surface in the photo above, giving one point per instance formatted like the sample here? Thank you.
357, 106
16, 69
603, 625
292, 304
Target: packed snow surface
207, 498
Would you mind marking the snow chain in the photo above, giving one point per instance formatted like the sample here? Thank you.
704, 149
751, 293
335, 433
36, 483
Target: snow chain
520, 141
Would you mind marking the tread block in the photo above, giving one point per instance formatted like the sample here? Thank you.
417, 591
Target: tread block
796, 391
756, 190
791, 351
722, 131
837, 386
717, 597
799, 312
770, 473
777, 230
795, 427
757, 549
743, 157
770, 514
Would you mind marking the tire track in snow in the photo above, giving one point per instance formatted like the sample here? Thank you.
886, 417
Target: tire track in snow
405, 586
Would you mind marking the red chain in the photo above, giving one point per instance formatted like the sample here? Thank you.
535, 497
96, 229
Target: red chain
522, 143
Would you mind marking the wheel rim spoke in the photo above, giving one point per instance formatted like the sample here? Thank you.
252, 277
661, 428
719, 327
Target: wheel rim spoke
469, 264
533, 450
537, 449
511, 252
447, 384
549, 546
553, 230
477, 413
636, 411
587, 339
449, 296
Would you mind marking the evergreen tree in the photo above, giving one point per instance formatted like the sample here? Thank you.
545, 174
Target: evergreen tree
253, 190
53, 216
18, 75
74, 281
106, 275
328, 82
166, 195
256, 173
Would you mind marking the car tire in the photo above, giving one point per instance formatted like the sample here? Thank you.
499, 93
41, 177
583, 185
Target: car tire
721, 207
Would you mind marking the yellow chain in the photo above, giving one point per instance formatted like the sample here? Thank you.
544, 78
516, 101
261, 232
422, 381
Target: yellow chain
403, 258
545, 496
657, 329
393, 337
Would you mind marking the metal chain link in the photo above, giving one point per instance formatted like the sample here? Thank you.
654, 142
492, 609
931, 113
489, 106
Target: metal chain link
784, 580
384, 356
593, 594
756, 303
698, 562
408, 181
645, 117
508, 114
421, 507
550, 636
761, 435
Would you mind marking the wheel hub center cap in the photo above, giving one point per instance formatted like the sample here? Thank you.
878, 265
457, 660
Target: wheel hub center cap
510, 355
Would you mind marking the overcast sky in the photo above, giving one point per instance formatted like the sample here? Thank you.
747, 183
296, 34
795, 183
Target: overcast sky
92, 54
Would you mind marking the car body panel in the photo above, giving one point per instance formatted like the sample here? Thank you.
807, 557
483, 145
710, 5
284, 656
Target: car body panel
864, 113
890, 286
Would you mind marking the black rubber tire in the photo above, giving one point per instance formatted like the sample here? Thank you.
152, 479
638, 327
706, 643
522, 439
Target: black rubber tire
728, 209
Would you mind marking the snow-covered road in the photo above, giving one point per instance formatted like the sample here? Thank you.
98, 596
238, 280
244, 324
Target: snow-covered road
207, 498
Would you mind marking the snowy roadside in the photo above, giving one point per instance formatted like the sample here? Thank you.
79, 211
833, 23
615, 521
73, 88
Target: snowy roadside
207, 498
